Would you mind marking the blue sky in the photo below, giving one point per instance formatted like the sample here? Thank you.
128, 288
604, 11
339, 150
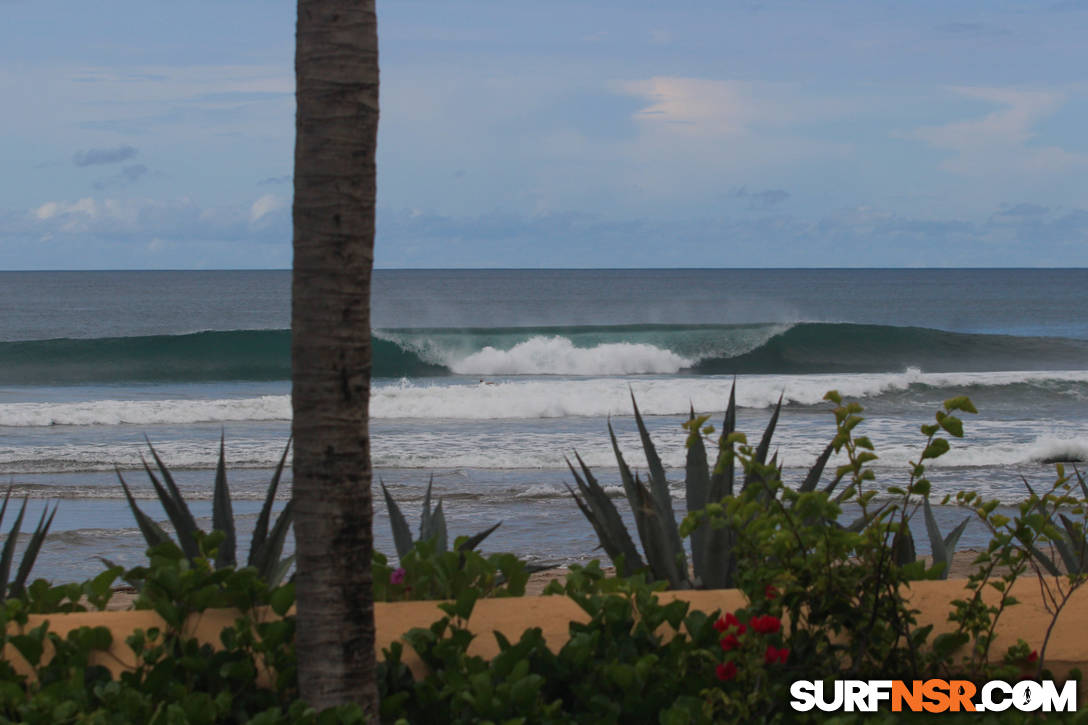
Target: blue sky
561, 134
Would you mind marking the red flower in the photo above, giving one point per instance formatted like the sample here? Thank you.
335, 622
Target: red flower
730, 642
770, 592
767, 624
773, 655
729, 620
1033, 657
726, 672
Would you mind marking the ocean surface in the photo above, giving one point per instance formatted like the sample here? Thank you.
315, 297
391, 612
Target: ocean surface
486, 380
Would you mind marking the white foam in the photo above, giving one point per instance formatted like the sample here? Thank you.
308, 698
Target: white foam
526, 399
661, 396
146, 412
558, 356
177, 454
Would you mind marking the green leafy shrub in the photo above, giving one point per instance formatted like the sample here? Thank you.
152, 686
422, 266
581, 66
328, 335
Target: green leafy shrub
251, 677
426, 572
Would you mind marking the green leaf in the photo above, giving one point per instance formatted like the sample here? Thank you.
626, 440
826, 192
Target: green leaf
473, 541
30, 555
953, 425
174, 504
259, 541
697, 488
665, 517
402, 535
9, 544
936, 449
152, 532
961, 402
282, 599
223, 512
814, 473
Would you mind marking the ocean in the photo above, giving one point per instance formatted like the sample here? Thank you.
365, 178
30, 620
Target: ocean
486, 380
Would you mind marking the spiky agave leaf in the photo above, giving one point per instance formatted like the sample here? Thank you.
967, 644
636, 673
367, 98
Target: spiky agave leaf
654, 543
1081, 481
813, 478
402, 535
269, 565
1064, 547
223, 512
665, 562
426, 522
613, 534
628, 482
260, 533
476, 539
943, 547
903, 551
1078, 545
697, 488
30, 555
279, 571
719, 557
9, 544
764, 446
438, 528
659, 487
152, 532
173, 503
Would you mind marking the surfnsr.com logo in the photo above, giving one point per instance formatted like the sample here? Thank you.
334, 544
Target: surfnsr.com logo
933, 696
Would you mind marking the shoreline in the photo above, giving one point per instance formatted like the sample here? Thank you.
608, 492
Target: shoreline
962, 566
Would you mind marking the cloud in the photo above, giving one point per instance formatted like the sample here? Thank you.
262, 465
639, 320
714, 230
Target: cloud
1000, 141
762, 199
1022, 210
698, 106
267, 205
127, 176
860, 236
94, 157
978, 30
137, 221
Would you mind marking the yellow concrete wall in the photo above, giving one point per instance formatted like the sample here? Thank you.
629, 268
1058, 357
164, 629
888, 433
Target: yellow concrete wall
1028, 620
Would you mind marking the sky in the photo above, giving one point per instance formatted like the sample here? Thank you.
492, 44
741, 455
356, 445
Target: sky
564, 133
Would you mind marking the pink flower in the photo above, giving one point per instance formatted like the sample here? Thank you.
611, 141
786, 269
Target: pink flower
726, 672
397, 577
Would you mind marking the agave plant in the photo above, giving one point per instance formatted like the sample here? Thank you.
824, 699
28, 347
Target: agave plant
266, 546
432, 525
1070, 542
713, 559
714, 562
7, 555
943, 546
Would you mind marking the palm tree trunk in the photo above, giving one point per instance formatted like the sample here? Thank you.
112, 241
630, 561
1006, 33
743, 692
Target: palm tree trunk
336, 66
